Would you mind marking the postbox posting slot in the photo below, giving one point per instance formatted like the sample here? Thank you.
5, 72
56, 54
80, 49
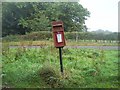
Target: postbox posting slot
57, 28
58, 25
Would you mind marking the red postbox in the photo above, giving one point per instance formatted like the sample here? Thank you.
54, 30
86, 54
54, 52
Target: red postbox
58, 34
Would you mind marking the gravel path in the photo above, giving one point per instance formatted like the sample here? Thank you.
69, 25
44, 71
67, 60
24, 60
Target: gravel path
96, 47
89, 47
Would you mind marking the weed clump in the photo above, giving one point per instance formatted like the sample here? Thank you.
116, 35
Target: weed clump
50, 76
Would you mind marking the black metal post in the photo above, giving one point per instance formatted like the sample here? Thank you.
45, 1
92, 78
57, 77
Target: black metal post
61, 65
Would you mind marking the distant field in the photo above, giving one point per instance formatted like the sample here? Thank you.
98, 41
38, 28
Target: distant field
87, 68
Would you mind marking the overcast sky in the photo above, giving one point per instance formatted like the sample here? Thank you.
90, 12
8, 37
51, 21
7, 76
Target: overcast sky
104, 14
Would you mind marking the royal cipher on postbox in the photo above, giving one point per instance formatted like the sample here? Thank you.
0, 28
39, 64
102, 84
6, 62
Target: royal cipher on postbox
58, 34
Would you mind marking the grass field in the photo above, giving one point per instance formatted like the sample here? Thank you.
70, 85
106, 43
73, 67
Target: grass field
39, 68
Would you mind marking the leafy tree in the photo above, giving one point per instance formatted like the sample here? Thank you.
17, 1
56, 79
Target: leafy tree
19, 18
73, 20
11, 14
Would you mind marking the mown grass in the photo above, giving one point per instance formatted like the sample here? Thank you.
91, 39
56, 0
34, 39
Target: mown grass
83, 68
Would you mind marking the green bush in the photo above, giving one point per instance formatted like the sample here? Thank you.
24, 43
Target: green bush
38, 36
42, 35
47, 35
11, 38
30, 36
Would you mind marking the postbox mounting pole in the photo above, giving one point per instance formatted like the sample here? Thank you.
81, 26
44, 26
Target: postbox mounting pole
61, 64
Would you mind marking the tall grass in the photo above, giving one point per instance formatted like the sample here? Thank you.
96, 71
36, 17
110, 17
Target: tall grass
25, 67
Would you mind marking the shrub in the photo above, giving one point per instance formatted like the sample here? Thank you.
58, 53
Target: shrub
42, 35
11, 38
47, 35
38, 36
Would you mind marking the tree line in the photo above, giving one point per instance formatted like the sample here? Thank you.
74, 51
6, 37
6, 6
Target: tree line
24, 17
